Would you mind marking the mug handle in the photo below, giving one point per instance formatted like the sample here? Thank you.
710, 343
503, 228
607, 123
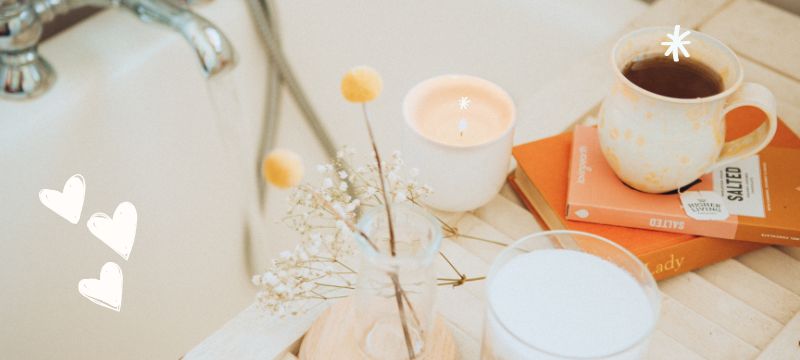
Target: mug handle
756, 95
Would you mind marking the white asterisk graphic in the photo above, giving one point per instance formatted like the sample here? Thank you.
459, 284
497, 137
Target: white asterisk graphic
463, 103
677, 43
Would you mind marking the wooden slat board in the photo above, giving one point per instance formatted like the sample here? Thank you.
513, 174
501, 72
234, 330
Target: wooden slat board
760, 32
724, 309
742, 308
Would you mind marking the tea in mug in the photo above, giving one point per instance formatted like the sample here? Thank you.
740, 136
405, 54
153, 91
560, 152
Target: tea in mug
685, 79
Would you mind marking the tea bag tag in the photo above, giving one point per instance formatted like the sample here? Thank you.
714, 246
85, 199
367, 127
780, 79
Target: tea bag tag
704, 205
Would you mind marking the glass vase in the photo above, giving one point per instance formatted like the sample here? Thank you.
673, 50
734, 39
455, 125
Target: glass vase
395, 294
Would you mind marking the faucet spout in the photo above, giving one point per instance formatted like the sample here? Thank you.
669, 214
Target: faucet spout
212, 48
25, 74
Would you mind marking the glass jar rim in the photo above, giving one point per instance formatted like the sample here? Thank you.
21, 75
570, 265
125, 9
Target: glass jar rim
422, 257
655, 305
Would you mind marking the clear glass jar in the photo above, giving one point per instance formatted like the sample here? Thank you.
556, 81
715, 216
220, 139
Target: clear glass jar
394, 296
568, 295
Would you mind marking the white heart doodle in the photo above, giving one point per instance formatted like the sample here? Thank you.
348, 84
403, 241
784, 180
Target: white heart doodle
118, 232
67, 203
106, 291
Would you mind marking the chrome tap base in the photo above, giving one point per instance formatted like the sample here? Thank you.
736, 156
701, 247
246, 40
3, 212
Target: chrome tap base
24, 74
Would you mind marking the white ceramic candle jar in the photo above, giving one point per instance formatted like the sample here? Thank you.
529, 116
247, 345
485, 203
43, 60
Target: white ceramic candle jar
459, 135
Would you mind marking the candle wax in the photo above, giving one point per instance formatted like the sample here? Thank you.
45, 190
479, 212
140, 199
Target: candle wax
568, 303
443, 116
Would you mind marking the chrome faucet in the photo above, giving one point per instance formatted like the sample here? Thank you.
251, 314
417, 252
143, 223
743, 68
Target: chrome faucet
25, 74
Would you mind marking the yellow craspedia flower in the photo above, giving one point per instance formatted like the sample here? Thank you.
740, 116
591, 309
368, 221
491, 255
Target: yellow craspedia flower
283, 168
361, 84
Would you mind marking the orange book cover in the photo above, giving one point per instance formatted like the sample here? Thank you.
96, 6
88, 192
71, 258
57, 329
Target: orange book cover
760, 193
541, 181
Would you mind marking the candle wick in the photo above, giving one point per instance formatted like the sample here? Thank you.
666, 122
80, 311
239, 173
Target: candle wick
462, 125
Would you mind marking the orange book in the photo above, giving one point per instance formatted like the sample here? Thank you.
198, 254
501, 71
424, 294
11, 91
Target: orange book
758, 200
541, 181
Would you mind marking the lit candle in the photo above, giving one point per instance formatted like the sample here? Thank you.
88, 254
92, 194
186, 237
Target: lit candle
459, 134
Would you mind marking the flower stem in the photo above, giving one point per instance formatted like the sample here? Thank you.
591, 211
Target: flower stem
459, 282
413, 312
334, 286
381, 179
404, 324
392, 246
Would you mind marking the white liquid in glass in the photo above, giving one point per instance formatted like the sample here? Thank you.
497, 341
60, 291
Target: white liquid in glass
566, 303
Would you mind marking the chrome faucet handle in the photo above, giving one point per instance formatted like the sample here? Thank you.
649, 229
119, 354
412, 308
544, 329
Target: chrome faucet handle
23, 73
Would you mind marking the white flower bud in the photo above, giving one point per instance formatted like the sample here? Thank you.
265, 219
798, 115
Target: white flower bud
269, 278
280, 289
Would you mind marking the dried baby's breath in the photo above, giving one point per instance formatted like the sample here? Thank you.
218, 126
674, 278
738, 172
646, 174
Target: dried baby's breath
317, 269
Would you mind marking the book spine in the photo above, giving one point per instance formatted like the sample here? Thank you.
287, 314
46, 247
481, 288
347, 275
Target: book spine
649, 221
706, 249
743, 231
690, 255
770, 235
672, 260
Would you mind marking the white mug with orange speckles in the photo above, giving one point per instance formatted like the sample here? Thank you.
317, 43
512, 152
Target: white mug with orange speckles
657, 143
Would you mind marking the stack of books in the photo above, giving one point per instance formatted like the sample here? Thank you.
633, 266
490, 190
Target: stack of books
565, 181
